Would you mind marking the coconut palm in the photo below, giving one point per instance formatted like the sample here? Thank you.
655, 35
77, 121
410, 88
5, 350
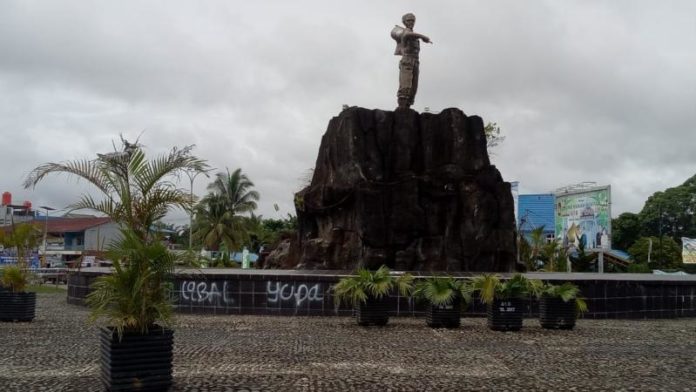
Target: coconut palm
137, 192
218, 215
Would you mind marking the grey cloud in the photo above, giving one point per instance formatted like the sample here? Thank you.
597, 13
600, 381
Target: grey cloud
599, 91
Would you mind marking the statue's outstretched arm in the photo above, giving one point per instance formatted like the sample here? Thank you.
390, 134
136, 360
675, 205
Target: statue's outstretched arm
417, 35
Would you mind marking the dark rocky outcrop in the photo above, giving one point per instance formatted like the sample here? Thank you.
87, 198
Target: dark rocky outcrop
412, 191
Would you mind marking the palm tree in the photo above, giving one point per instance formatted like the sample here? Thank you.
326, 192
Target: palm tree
218, 215
537, 243
137, 192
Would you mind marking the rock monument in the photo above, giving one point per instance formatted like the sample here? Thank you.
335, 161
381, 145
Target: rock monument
412, 191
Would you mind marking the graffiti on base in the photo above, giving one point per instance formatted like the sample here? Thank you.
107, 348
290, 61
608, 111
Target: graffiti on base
197, 292
278, 291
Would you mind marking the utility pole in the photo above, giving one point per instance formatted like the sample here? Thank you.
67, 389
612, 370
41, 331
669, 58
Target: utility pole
45, 233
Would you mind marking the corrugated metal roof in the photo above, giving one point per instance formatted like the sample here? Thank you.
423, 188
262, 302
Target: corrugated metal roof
72, 225
536, 210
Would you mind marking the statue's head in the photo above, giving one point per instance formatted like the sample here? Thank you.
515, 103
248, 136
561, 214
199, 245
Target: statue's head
409, 20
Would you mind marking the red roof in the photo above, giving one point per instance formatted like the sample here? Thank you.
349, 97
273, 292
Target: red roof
72, 225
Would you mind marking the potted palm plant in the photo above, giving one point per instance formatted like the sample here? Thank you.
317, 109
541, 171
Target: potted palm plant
504, 299
136, 344
15, 303
445, 296
136, 347
367, 291
560, 305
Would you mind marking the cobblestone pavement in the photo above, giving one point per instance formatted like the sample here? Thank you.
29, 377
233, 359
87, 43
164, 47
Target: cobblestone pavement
58, 352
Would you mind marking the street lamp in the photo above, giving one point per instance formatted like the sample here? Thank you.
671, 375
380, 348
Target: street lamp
45, 234
192, 177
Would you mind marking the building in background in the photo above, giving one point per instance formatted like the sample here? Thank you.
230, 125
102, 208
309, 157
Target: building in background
535, 211
70, 238
14, 213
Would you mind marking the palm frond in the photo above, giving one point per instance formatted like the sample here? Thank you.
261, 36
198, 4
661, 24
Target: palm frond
85, 169
357, 288
486, 285
440, 290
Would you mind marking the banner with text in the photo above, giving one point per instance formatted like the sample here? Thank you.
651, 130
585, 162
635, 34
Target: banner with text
583, 218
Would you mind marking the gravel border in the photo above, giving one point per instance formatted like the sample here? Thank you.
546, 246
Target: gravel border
58, 352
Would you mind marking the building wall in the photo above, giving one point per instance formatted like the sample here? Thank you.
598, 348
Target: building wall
534, 211
100, 237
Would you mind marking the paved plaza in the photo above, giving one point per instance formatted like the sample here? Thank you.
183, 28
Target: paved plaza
58, 352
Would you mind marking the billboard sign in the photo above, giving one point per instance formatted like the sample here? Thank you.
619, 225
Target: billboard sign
688, 250
583, 216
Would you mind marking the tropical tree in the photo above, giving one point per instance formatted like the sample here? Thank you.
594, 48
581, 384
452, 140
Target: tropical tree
136, 192
625, 230
531, 249
582, 261
662, 254
268, 232
554, 256
218, 215
23, 238
493, 136
671, 212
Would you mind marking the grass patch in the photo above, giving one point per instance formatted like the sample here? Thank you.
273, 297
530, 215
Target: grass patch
48, 289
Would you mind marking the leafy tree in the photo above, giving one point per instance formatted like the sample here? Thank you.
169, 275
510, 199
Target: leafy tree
582, 261
268, 232
626, 230
554, 256
531, 249
218, 219
173, 233
639, 268
666, 256
136, 192
493, 137
672, 212
259, 233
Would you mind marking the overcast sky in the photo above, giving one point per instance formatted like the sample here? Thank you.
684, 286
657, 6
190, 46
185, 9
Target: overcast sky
600, 91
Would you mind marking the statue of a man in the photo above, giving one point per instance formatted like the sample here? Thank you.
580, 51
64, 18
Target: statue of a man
407, 46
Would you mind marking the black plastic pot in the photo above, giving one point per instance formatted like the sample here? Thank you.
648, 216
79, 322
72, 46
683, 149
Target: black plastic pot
444, 316
506, 314
374, 311
17, 306
138, 362
554, 313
